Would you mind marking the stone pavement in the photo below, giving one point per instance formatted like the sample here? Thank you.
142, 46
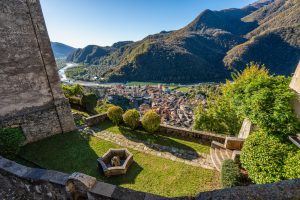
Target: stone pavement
185, 156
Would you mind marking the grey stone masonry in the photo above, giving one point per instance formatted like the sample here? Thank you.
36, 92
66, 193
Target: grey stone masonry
20, 182
30, 91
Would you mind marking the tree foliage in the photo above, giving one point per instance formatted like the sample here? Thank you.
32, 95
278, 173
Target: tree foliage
218, 116
115, 113
151, 121
264, 99
72, 90
131, 118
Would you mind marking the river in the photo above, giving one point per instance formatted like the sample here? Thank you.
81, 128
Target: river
65, 79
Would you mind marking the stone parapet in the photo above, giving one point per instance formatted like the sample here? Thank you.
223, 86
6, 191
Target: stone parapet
20, 182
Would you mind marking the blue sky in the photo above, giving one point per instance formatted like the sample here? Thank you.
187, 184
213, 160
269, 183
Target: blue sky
103, 22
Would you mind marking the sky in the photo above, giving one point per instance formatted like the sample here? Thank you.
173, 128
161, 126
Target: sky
103, 22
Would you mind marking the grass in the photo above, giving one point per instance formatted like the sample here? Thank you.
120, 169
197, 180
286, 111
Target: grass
154, 138
183, 89
77, 152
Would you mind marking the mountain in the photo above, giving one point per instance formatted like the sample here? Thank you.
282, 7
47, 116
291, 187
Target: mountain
207, 49
61, 50
275, 42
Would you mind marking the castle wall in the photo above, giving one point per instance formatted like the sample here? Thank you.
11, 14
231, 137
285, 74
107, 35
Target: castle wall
295, 85
30, 94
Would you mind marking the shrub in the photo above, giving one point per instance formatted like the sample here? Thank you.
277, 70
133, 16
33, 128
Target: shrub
292, 166
10, 141
89, 102
115, 113
131, 118
151, 121
230, 174
263, 156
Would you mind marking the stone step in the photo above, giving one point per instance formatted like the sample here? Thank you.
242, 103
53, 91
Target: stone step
218, 154
213, 158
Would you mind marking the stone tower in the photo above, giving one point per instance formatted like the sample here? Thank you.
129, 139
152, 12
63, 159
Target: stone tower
295, 85
30, 93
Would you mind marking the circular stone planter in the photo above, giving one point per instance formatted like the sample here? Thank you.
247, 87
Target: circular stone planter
104, 163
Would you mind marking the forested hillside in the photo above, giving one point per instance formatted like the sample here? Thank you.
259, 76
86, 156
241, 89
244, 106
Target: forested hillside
207, 49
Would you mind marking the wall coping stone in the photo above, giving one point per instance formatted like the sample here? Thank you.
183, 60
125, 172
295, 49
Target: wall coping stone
288, 189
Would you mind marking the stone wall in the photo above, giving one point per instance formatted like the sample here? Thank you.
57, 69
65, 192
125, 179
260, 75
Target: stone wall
96, 119
202, 136
295, 85
29, 83
20, 182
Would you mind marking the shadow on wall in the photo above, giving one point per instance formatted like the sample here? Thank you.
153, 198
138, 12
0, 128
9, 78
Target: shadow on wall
73, 152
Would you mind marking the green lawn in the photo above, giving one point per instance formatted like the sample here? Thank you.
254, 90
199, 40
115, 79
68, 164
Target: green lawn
154, 138
183, 89
75, 151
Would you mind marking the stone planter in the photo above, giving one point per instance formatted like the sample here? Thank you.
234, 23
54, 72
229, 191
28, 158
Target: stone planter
104, 163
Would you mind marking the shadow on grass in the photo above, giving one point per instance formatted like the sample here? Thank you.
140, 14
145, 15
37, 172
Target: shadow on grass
128, 178
75, 152
148, 139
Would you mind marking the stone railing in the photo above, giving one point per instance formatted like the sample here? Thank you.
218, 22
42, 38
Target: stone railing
20, 182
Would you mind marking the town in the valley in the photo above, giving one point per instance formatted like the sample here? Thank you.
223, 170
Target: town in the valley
175, 107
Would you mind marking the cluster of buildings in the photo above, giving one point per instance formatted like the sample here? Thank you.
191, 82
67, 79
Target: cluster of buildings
174, 107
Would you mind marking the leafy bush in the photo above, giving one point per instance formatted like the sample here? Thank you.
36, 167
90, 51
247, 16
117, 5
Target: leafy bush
292, 166
115, 113
131, 118
230, 174
10, 141
151, 121
263, 156
264, 99
89, 102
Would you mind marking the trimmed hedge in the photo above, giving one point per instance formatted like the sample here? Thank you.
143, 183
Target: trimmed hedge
151, 121
10, 141
132, 118
115, 113
292, 166
263, 156
230, 174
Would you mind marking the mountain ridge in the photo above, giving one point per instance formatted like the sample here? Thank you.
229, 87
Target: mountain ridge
207, 49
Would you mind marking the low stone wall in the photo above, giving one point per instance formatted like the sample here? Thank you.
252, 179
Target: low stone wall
96, 119
20, 182
203, 136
